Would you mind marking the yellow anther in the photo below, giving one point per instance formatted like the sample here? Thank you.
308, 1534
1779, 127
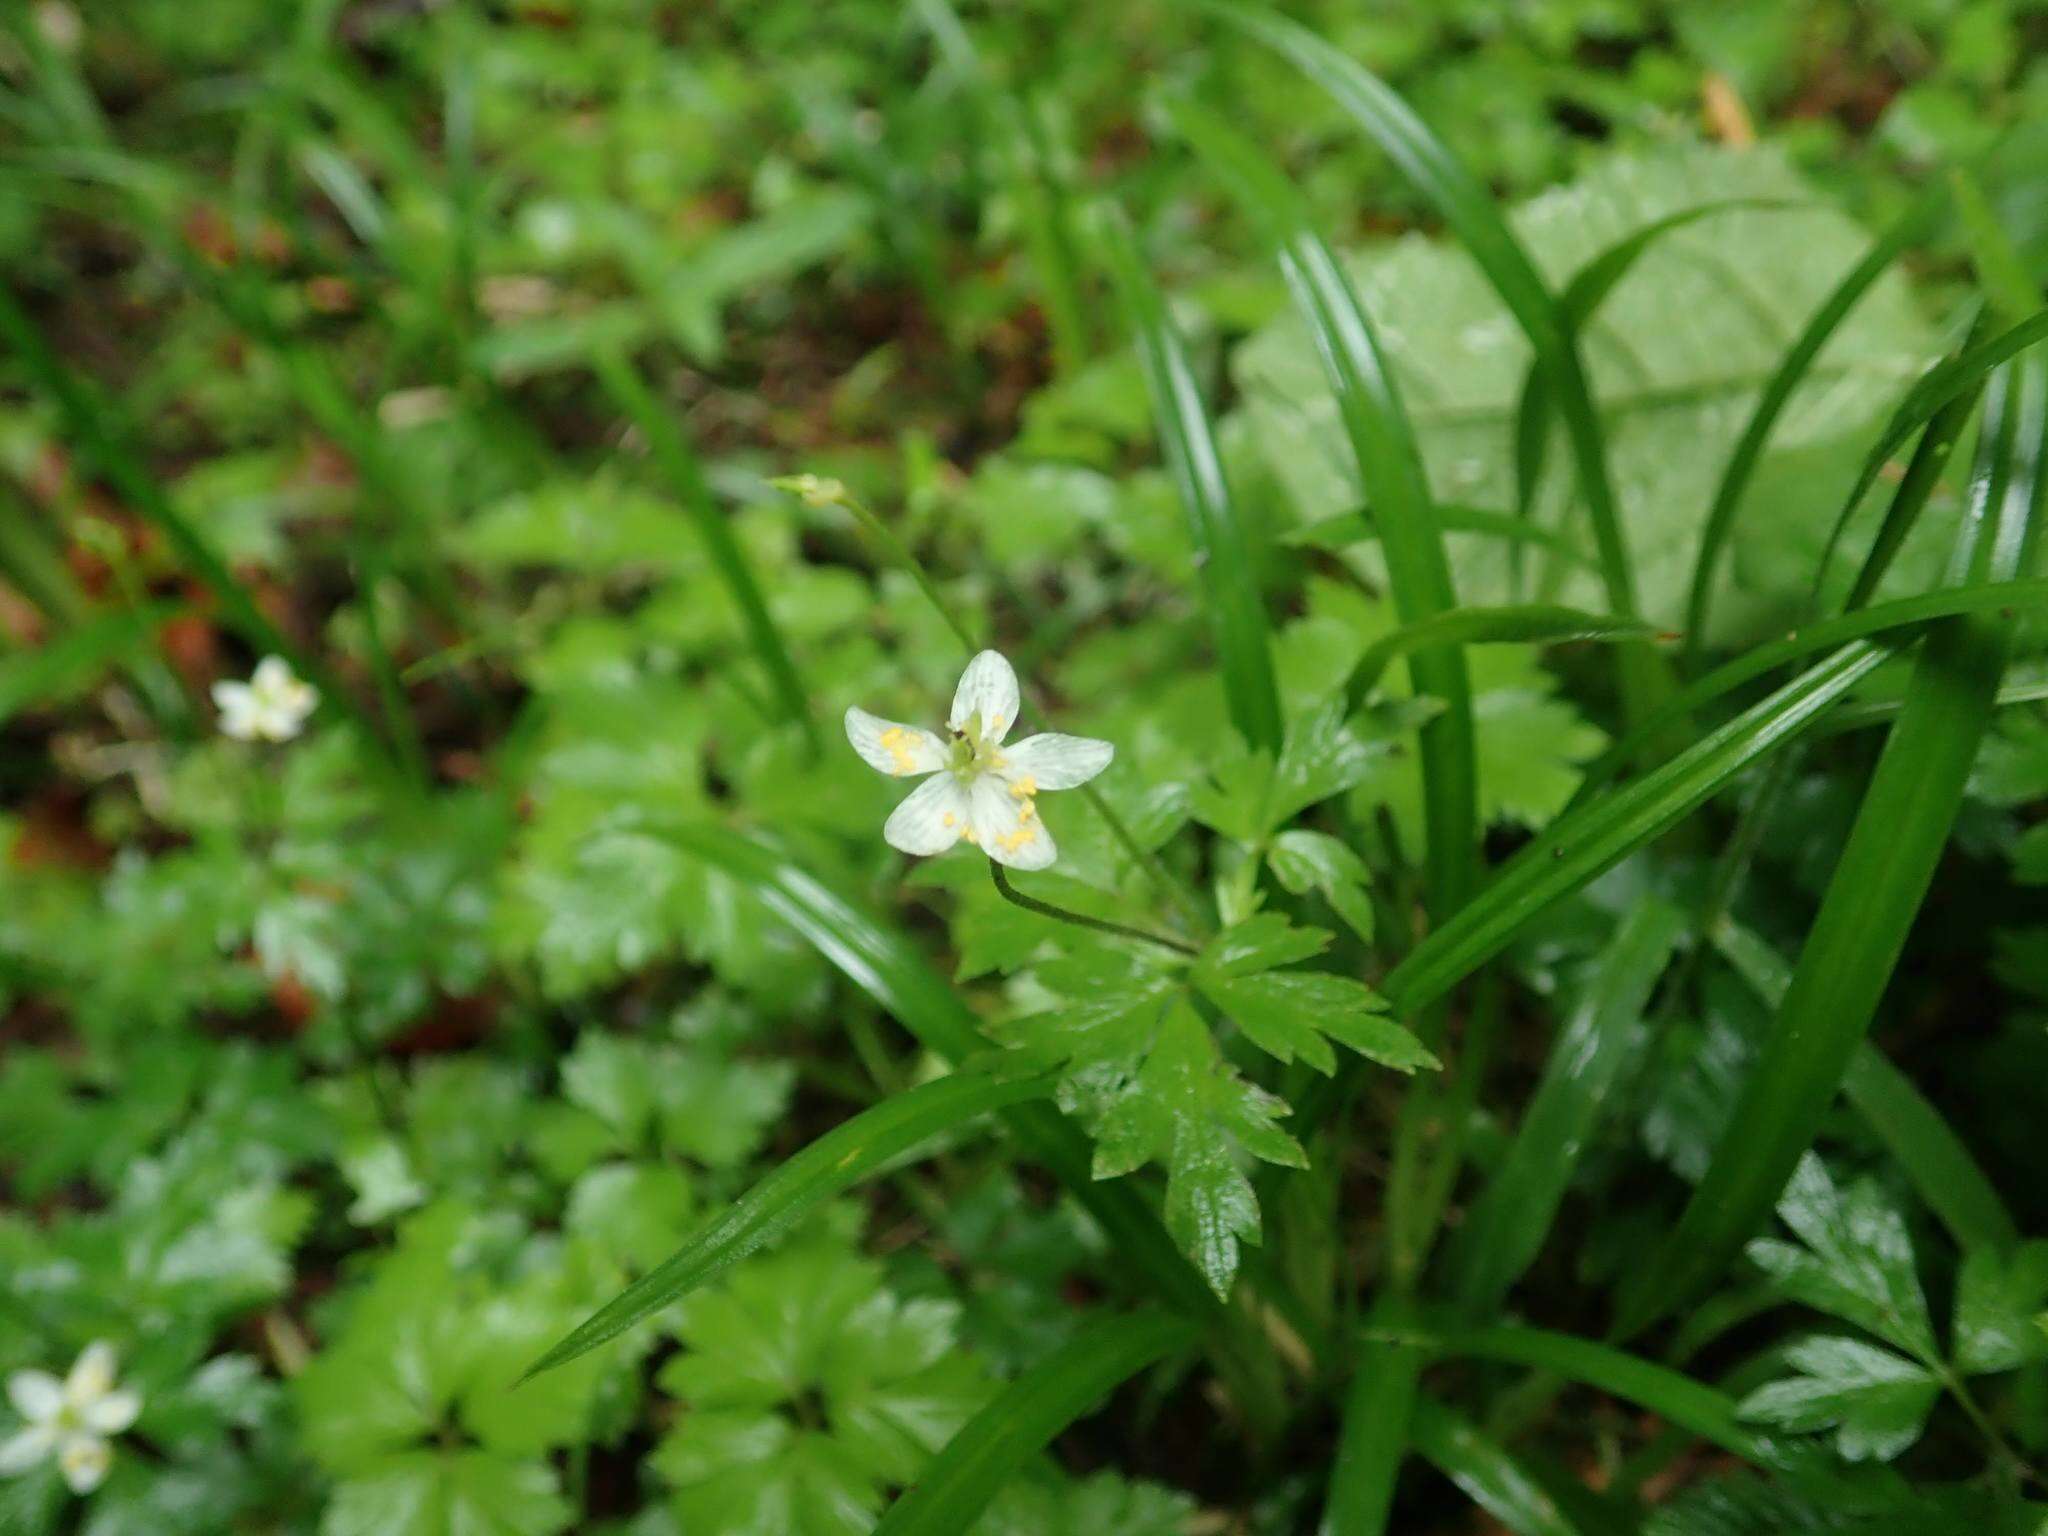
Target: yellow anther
947, 820
1024, 788
1026, 811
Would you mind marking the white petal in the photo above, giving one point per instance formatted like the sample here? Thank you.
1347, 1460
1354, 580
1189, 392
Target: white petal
1006, 825
273, 675
276, 722
25, 1448
237, 705
897, 750
111, 1414
1053, 761
84, 1460
36, 1395
989, 688
92, 1376
932, 820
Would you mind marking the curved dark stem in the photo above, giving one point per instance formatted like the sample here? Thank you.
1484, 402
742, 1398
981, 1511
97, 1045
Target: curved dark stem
1081, 919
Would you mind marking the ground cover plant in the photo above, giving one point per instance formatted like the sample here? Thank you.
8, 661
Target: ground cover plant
1016, 767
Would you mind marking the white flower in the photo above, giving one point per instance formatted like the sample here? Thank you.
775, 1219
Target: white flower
983, 791
73, 1420
271, 706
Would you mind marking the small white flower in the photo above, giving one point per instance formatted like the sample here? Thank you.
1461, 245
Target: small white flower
73, 1420
813, 491
271, 706
983, 791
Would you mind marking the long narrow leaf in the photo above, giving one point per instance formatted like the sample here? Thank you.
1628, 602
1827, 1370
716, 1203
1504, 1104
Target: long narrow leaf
1578, 847
1581, 298
1672, 1395
1223, 549
884, 965
1487, 1474
1942, 383
1909, 228
672, 453
1523, 623
992, 1446
836, 1161
1470, 210
1372, 1440
1507, 1225
1933, 1156
1879, 883
1390, 470
1894, 622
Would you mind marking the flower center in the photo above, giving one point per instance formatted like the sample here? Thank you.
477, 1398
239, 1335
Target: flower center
973, 752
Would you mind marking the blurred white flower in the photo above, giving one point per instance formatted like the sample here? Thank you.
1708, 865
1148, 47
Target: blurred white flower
73, 1420
271, 706
813, 491
983, 791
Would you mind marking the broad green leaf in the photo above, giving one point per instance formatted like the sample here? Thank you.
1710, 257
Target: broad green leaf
810, 1389
438, 1493
1261, 942
1875, 1401
1679, 351
1298, 1013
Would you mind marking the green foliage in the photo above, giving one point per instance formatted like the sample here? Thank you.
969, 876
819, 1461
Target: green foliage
533, 1098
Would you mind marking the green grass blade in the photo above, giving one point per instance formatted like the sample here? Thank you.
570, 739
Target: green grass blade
1469, 209
883, 964
1880, 881
1944, 382
1582, 296
1936, 1162
835, 1162
996, 1443
1910, 228
1916, 487
1507, 1225
76, 656
1487, 1474
1372, 1440
1671, 1395
1521, 623
1584, 844
1223, 547
673, 455
1891, 622
94, 424
1390, 469
1350, 528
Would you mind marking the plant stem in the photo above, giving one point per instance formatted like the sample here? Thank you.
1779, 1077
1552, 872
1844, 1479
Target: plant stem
1081, 919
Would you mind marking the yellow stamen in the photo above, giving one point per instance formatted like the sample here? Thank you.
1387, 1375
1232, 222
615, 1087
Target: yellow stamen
1025, 787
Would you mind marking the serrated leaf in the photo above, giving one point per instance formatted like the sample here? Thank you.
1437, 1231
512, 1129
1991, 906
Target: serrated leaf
1998, 1301
1296, 1013
1188, 1109
1857, 1262
1876, 1401
1260, 943
437, 1493
1304, 861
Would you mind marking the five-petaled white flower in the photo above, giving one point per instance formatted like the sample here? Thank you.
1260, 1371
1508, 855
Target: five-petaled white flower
74, 1419
271, 706
984, 791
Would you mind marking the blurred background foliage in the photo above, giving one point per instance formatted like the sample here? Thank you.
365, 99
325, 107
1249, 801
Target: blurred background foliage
338, 1079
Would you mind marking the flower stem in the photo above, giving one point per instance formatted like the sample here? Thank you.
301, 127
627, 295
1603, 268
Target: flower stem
1081, 919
